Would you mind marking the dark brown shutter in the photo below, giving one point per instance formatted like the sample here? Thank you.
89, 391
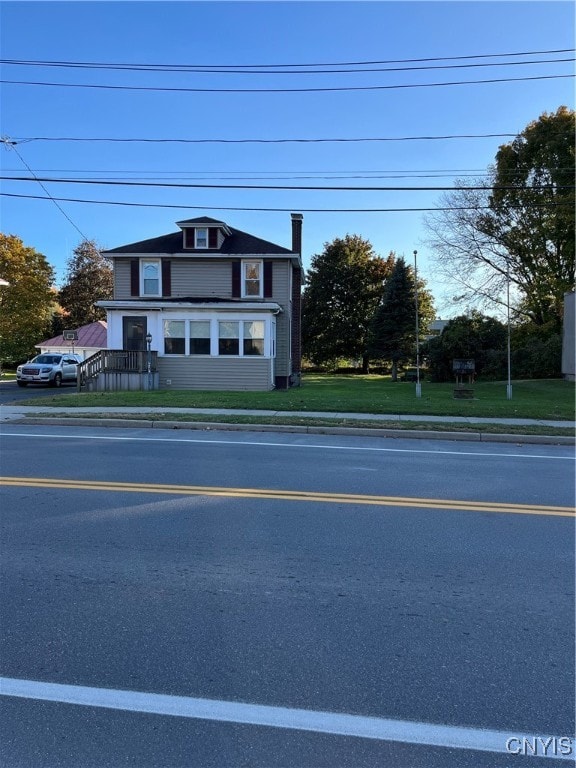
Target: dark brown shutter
189, 233
134, 277
212, 238
267, 279
236, 279
166, 277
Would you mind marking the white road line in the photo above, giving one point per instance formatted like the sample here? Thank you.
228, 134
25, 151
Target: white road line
335, 723
209, 441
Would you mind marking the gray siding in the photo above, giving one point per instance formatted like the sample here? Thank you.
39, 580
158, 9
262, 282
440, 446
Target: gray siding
216, 373
281, 271
283, 367
281, 294
201, 278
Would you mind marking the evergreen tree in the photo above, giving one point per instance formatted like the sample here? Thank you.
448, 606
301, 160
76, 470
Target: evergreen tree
342, 289
393, 327
89, 279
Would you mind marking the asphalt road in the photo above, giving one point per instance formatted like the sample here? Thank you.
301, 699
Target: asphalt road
10, 392
424, 583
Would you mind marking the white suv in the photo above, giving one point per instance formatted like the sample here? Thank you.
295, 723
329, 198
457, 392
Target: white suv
50, 369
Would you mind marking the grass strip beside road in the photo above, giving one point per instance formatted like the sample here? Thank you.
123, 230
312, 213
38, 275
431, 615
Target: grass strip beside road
312, 421
551, 399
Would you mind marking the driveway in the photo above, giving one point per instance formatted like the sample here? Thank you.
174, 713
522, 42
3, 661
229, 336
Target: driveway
10, 392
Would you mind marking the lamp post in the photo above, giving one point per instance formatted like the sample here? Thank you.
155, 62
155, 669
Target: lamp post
509, 384
149, 361
418, 385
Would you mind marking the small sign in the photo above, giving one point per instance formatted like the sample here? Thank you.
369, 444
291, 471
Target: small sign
70, 335
464, 366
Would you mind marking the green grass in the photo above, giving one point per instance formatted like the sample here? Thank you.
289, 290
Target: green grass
536, 399
311, 421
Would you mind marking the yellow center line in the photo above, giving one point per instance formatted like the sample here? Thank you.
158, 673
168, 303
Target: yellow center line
309, 496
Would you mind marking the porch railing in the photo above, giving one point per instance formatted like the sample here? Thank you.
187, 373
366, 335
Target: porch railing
116, 361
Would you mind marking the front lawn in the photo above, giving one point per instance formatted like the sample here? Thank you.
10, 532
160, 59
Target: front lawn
536, 399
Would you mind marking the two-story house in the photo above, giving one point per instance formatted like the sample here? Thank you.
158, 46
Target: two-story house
222, 306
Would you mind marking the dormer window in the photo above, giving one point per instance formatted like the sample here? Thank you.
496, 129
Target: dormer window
200, 238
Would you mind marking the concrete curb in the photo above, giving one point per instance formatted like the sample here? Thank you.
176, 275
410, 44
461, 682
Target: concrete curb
312, 430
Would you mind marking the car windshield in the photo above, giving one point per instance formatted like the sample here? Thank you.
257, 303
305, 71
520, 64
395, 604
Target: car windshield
47, 359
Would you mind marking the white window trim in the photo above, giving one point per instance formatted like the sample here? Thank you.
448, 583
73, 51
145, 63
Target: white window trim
203, 229
158, 263
269, 335
260, 294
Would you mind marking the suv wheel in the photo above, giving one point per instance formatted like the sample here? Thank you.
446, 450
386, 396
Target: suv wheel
22, 383
57, 381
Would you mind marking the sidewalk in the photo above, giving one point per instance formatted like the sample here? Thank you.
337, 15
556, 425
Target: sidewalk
12, 412
120, 417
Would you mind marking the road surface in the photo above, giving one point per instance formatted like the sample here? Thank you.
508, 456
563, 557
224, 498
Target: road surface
216, 599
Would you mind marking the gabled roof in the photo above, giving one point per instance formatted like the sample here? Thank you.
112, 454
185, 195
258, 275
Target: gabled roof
91, 335
237, 243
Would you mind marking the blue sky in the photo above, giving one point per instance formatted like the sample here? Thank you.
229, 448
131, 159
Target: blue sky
264, 33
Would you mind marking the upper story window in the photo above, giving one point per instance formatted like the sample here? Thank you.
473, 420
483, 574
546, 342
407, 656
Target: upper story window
200, 238
150, 277
252, 279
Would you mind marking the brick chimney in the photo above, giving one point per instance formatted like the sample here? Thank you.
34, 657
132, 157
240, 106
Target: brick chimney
297, 232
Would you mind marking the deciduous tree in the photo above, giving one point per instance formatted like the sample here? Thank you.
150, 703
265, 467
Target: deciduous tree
473, 336
26, 303
517, 225
343, 287
89, 279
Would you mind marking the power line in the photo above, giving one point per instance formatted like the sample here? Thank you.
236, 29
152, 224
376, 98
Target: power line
28, 139
219, 70
104, 182
124, 175
269, 209
62, 211
42, 62
283, 90
116, 170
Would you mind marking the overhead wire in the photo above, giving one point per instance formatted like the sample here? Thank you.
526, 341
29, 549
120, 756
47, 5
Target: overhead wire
268, 209
217, 67
39, 181
120, 140
333, 89
285, 187
236, 71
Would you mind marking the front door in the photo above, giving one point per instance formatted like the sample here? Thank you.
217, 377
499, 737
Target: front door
134, 330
